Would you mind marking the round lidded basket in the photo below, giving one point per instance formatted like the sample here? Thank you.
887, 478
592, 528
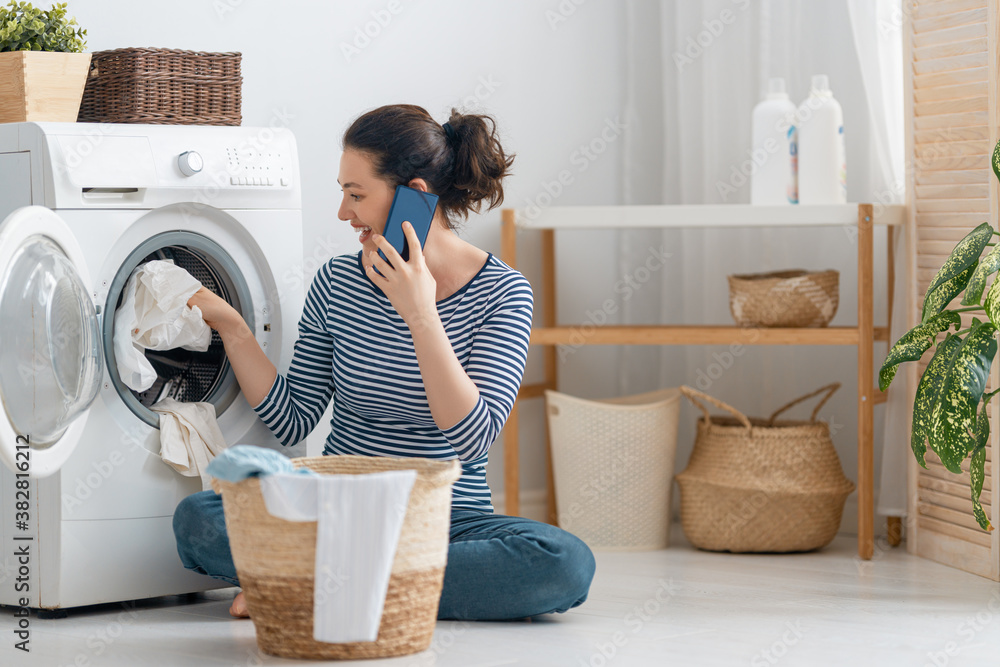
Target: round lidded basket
275, 561
794, 298
762, 485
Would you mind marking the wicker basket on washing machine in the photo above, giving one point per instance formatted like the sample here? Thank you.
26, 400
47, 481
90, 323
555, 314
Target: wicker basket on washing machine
163, 87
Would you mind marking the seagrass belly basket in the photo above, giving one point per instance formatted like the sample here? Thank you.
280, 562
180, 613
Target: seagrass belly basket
762, 485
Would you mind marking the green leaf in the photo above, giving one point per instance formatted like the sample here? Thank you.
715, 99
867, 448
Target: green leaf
991, 304
912, 345
953, 422
27, 28
977, 466
963, 255
996, 160
938, 298
978, 472
929, 394
987, 267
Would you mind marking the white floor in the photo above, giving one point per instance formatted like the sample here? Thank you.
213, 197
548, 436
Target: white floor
674, 607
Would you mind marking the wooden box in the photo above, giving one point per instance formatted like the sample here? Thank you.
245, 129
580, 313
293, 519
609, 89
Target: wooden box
41, 85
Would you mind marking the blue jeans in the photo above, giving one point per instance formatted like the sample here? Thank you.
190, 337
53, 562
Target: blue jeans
499, 567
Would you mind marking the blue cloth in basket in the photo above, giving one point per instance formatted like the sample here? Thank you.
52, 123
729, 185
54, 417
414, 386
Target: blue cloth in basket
241, 461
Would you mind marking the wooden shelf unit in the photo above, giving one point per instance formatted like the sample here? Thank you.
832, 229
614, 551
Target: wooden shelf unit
863, 336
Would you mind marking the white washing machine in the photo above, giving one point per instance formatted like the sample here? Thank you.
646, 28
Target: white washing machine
83, 488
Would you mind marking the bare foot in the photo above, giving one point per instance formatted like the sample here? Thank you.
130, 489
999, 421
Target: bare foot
239, 607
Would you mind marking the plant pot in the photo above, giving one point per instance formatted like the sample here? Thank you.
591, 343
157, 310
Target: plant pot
42, 86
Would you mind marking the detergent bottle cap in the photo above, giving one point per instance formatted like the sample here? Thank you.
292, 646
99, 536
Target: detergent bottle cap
776, 89
821, 84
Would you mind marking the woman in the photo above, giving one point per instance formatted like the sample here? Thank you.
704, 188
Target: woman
422, 358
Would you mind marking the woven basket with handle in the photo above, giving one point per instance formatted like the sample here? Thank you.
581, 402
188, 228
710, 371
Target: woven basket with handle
762, 485
275, 562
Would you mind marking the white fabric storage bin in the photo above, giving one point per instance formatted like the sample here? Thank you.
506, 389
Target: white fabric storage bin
613, 465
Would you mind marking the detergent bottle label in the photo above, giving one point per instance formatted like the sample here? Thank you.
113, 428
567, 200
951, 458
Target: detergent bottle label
843, 164
793, 160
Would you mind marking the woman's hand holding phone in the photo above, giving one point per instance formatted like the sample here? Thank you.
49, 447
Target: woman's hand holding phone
414, 206
409, 285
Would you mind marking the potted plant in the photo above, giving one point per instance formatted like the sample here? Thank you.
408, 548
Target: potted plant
950, 409
42, 67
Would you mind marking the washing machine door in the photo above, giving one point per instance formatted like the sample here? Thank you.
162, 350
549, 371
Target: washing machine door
50, 356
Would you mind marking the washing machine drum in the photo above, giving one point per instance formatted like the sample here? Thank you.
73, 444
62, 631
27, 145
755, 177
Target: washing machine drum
184, 375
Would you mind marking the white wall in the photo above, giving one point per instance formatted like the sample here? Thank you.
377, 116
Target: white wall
553, 73
551, 76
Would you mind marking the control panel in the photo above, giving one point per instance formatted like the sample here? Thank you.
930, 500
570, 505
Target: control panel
107, 166
252, 166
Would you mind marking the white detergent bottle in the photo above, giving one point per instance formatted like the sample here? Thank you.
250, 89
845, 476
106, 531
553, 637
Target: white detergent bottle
773, 179
822, 161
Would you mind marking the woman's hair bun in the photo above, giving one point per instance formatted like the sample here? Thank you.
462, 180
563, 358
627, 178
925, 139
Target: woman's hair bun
480, 161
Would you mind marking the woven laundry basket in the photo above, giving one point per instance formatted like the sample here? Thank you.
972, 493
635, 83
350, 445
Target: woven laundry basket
275, 560
163, 87
613, 465
794, 298
762, 485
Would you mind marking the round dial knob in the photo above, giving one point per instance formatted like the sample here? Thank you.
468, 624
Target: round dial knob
190, 163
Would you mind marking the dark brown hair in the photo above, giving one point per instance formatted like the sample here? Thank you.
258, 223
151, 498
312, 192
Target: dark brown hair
465, 167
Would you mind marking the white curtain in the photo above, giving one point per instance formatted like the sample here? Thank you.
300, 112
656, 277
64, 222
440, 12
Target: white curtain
695, 72
878, 42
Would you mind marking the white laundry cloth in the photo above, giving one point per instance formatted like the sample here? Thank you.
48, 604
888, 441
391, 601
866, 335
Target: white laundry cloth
189, 437
154, 315
358, 521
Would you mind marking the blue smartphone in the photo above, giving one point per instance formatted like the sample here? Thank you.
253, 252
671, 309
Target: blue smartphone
408, 205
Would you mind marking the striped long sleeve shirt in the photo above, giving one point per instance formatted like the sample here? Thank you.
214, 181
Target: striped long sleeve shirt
354, 347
